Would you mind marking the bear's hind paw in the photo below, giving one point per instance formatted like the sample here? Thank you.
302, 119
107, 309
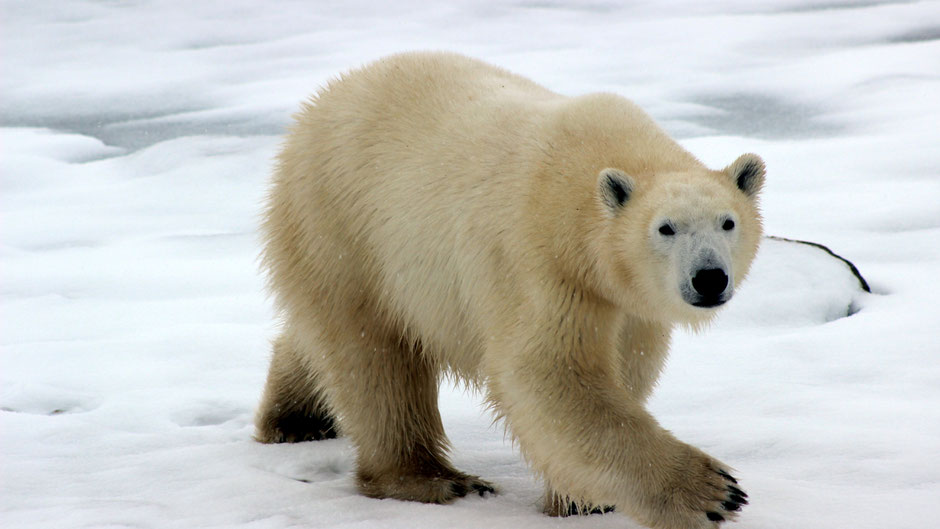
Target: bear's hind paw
438, 489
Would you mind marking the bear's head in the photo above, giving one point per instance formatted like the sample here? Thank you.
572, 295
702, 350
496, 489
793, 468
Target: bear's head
677, 244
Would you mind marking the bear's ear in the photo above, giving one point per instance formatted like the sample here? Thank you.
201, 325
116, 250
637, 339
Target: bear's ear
614, 188
747, 172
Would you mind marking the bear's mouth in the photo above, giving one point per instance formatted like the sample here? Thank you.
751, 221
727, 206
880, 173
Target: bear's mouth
709, 303
697, 300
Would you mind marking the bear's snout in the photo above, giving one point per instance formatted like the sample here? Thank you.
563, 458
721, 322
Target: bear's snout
710, 284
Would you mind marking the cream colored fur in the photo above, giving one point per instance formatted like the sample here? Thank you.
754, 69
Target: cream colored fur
433, 214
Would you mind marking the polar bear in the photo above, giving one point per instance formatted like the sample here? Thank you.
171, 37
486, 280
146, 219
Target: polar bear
433, 215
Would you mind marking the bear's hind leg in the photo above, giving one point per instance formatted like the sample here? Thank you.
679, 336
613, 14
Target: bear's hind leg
385, 392
293, 408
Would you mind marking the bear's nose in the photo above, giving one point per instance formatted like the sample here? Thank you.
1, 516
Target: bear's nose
710, 282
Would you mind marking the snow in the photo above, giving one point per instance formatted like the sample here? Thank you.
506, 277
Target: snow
136, 140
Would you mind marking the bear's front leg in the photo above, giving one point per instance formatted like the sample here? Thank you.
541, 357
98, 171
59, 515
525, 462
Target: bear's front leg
594, 442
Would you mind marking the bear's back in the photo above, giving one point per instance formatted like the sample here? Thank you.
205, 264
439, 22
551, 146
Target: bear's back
397, 180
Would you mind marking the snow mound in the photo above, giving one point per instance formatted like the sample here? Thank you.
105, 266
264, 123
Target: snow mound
794, 284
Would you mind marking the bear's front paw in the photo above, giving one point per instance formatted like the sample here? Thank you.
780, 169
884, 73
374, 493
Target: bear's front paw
700, 494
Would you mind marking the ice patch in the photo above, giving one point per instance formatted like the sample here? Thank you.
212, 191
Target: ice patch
762, 116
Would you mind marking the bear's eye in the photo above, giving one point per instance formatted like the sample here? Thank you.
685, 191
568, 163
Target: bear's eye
666, 229
728, 225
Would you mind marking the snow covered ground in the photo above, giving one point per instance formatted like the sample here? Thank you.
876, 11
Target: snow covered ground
136, 142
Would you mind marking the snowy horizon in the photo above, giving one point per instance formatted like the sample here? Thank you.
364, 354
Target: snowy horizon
136, 144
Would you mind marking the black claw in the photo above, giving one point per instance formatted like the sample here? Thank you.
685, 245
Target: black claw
715, 517
738, 499
483, 489
727, 476
575, 510
730, 506
458, 489
739, 492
